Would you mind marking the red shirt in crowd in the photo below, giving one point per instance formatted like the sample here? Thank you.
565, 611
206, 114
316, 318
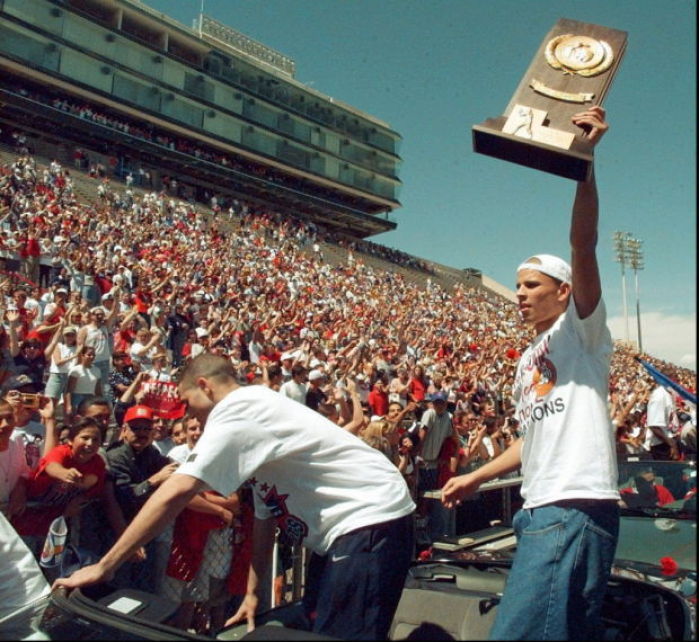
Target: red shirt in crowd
54, 494
378, 401
30, 247
417, 389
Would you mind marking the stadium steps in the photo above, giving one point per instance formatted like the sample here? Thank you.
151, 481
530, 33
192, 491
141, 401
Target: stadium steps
444, 276
338, 255
7, 155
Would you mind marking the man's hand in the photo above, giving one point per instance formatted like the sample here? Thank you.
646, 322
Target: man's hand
13, 318
592, 122
93, 574
163, 474
226, 516
47, 409
457, 489
14, 398
245, 612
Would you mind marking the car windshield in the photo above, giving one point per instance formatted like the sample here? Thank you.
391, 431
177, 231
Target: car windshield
659, 487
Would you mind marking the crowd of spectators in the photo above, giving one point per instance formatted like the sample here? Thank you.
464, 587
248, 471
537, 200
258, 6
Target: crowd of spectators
102, 302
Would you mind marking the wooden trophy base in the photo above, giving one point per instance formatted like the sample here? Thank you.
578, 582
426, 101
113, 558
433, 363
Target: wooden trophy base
573, 163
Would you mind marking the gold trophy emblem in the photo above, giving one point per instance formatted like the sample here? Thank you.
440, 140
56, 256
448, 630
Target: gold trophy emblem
579, 55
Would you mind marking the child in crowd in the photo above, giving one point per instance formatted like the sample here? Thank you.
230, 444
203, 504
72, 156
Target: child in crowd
66, 478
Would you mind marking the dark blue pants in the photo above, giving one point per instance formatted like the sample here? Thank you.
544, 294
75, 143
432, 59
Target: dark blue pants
354, 589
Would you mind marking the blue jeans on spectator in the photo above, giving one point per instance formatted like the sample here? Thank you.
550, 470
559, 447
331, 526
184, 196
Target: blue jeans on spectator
440, 520
104, 367
77, 398
559, 576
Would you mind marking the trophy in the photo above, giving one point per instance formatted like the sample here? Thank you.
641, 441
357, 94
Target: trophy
572, 70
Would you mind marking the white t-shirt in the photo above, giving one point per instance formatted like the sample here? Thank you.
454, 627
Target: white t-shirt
256, 350
439, 427
98, 338
143, 361
197, 349
658, 413
64, 351
87, 379
29, 431
295, 391
21, 579
317, 479
179, 453
13, 465
561, 391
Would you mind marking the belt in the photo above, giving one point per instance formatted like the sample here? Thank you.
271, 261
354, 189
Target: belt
579, 503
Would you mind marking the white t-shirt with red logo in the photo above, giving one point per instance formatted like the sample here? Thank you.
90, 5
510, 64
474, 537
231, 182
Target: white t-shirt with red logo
317, 479
561, 389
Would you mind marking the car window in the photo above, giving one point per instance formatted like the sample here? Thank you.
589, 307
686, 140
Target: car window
659, 484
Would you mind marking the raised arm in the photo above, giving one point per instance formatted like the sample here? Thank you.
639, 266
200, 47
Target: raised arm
48, 353
587, 289
112, 316
355, 424
130, 316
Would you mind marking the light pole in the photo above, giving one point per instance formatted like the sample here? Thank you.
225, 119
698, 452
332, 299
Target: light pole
635, 256
620, 240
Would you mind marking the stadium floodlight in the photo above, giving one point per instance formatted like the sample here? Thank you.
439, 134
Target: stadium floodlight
620, 247
635, 259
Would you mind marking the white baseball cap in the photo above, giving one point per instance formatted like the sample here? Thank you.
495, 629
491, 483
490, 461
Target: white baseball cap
553, 266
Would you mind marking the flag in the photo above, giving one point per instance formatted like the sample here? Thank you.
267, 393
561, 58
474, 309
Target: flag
662, 380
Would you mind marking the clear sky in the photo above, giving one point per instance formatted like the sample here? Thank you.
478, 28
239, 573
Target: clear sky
433, 68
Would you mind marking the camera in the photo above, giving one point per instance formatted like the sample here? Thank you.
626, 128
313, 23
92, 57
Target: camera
30, 401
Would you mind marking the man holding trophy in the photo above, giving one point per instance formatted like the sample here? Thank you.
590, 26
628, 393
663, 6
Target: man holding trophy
567, 529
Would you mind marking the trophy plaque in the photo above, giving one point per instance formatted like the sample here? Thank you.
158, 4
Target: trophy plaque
572, 70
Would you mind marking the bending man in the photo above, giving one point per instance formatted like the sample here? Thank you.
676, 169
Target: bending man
327, 489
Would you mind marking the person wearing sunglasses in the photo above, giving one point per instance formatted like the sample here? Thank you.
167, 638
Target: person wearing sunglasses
138, 469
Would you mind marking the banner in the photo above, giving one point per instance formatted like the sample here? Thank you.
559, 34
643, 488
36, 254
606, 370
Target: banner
662, 380
163, 398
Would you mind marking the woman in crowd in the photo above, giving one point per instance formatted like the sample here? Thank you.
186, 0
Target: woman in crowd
62, 352
383, 436
84, 380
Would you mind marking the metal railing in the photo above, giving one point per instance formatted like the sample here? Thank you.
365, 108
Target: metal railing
301, 556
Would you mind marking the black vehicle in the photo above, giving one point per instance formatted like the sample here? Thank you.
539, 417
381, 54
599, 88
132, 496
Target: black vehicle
454, 592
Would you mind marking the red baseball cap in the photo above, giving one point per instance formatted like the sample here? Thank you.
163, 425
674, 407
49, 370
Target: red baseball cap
139, 412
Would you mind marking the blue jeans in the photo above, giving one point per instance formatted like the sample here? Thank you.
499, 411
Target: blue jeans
559, 576
440, 520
